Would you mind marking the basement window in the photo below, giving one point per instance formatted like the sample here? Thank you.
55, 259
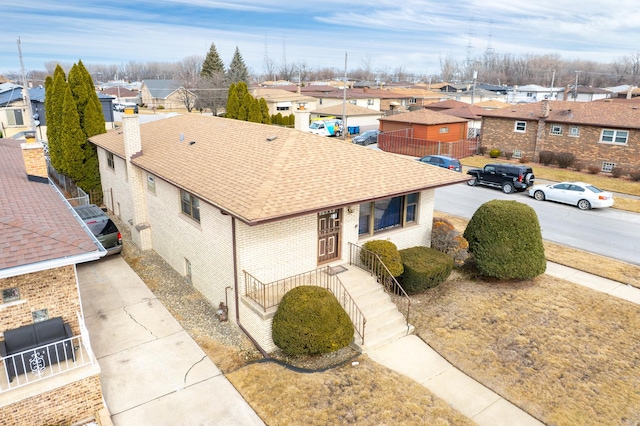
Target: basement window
607, 167
556, 129
10, 294
40, 315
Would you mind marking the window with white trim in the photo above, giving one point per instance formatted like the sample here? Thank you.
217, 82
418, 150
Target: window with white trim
517, 153
556, 129
110, 161
444, 130
607, 167
520, 126
614, 136
574, 131
370, 102
382, 215
14, 117
529, 94
190, 205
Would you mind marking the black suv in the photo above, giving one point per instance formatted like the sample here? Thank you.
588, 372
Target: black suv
509, 177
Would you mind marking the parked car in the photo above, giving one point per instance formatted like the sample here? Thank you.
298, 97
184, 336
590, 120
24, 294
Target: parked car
509, 177
366, 138
579, 194
442, 161
122, 107
101, 226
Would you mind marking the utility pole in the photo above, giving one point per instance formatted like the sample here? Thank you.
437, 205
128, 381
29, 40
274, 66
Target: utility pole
25, 90
553, 78
344, 100
473, 91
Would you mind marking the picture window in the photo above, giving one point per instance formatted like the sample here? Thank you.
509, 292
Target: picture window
381, 215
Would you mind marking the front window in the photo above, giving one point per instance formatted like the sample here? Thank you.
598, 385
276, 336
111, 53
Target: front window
190, 205
614, 136
381, 215
282, 108
520, 126
556, 129
110, 162
14, 117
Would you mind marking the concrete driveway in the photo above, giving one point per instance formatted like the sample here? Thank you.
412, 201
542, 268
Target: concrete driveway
153, 373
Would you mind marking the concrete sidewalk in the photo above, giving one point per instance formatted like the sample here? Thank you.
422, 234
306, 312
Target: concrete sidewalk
414, 358
153, 373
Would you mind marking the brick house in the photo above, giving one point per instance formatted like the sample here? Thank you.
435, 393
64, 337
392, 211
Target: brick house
231, 204
167, 94
604, 134
41, 241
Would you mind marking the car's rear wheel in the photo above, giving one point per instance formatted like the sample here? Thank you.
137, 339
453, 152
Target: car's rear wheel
539, 195
472, 182
507, 187
584, 205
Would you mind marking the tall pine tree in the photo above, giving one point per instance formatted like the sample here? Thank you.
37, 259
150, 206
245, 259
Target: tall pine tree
255, 115
54, 114
237, 69
212, 64
71, 138
233, 103
264, 109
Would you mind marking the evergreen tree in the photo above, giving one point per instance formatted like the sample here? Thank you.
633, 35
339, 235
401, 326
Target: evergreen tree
233, 103
237, 69
71, 138
255, 114
245, 104
212, 64
54, 114
264, 109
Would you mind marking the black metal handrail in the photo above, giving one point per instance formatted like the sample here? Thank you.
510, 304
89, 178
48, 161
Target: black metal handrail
270, 294
371, 262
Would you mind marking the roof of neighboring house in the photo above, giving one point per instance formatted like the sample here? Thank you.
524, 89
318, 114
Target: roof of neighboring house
9, 93
260, 173
330, 92
423, 116
279, 95
351, 110
36, 225
602, 114
417, 92
121, 92
37, 94
470, 112
161, 89
493, 87
442, 105
492, 104
585, 89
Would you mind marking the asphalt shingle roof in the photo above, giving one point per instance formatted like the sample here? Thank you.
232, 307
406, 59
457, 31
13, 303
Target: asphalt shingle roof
260, 173
35, 223
424, 116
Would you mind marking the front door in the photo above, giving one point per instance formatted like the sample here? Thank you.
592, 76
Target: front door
328, 235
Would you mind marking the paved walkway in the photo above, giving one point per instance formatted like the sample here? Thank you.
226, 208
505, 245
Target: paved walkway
414, 358
152, 372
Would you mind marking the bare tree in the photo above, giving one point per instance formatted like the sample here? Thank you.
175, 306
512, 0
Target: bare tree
269, 69
449, 67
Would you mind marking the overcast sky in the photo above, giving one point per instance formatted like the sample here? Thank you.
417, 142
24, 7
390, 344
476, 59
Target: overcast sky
413, 34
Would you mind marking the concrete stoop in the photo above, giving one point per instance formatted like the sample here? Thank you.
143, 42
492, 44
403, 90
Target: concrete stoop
385, 323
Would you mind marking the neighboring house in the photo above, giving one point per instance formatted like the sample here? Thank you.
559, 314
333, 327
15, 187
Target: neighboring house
41, 241
604, 134
233, 205
168, 94
445, 105
329, 95
362, 118
417, 96
37, 95
473, 114
533, 93
423, 132
13, 110
491, 105
472, 96
584, 94
122, 95
283, 101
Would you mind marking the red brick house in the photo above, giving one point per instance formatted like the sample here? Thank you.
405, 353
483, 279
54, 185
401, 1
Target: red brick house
605, 134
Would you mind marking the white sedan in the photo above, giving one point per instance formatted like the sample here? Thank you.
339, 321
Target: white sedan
580, 194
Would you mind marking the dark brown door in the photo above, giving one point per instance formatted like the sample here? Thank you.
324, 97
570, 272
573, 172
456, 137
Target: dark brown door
328, 235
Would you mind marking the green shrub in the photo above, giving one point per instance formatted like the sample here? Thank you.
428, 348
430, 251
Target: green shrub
424, 268
547, 157
160, 106
505, 240
565, 159
388, 253
494, 153
310, 321
446, 239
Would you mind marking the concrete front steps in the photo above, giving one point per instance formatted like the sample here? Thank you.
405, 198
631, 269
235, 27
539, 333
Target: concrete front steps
385, 323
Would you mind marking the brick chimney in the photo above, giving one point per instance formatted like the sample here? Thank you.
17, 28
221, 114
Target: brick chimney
544, 108
34, 162
131, 131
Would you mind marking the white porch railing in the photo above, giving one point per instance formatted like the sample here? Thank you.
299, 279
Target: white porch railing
33, 365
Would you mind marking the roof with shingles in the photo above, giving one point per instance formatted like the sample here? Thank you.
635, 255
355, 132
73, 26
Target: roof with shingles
35, 223
492, 104
233, 166
447, 104
423, 116
161, 89
470, 112
603, 114
351, 110
274, 94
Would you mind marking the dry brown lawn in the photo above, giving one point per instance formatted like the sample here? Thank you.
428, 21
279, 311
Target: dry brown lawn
366, 394
563, 353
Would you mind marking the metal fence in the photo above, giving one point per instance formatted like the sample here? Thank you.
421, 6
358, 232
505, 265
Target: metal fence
73, 193
403, 142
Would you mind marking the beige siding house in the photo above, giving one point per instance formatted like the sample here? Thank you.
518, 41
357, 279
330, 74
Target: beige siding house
233, 205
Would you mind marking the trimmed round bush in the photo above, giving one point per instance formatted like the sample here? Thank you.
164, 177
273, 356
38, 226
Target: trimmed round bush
310, 321
505, 240
494, 153
424, 268
388, 253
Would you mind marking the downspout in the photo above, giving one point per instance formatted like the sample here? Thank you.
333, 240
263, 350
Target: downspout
235, 285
